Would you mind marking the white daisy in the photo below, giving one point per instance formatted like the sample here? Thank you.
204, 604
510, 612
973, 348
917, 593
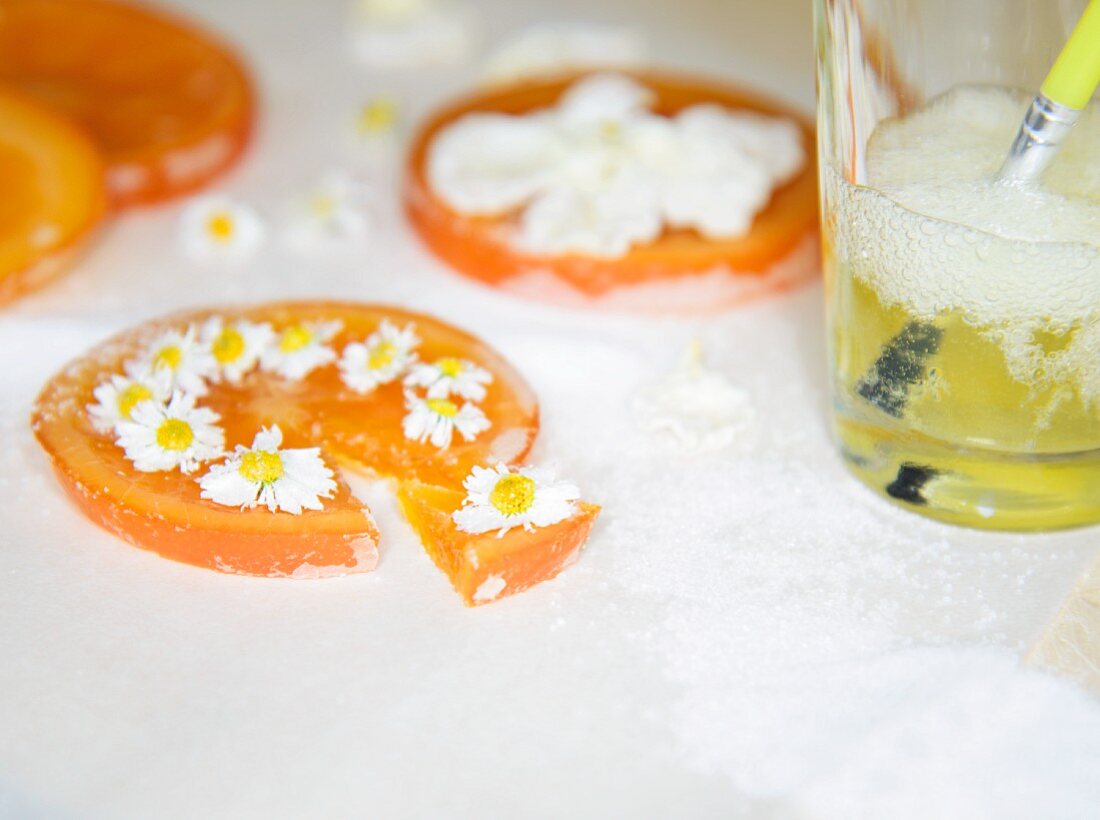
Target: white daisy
698, 408
501, 498
262, 474
384, 357
436, 420
217, 228
410, 33
328, 216
300, 349
183, 356
117, 397
448, 376
235, 346
164, 437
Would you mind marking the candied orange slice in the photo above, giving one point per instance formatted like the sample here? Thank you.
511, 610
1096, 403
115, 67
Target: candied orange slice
163, 511
486, 567
168, 105
51, 194
778, 253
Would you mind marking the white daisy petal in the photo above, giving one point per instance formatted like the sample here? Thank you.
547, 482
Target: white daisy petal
300, 349
491, 163
264, 475
217, 228
384, 357
603, 224
166, 437
235, 346
187, 362
436, 420
448, 376
502, 498
119, 395
331, 215
602, 98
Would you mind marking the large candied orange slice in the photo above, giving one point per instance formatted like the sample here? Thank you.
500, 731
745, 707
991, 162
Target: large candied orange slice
51, 193
486, 567
165, 512
680, 270
169, 106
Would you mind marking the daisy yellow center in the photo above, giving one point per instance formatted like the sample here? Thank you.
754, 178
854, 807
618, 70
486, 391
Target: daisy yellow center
295, 338
381, 355
322, 206
220, 226
513, 494
611, 130
261, 467
377, 115
443, 407
128, 398
228, 346
175, 435
449, 367
168, 357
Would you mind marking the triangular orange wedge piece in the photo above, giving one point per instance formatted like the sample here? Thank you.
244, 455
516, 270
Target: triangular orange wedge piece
778, 253
51, 193
485, 568
168, 105
163, 511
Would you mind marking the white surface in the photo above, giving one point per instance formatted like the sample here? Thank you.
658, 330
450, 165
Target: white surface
749, 631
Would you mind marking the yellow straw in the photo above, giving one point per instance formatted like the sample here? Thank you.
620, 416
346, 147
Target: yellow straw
1076, 72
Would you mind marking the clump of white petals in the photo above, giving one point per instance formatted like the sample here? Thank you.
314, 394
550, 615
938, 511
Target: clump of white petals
382, 358
236, 346
550, 48
697, 408
265, 475
181, 355
437, 420
328, 216
217, 228
403, 34
116, 398
450, 376
179, 435
501, 498
600, 172
300, 349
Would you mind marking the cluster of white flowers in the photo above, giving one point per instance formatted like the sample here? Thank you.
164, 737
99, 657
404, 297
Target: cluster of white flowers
152, 408
600, 171
218, 229
153, 413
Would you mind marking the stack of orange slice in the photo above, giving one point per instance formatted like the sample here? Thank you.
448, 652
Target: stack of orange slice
103, 102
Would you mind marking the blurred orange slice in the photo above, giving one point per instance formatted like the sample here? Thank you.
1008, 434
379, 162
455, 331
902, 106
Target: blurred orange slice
51, 193
167, 104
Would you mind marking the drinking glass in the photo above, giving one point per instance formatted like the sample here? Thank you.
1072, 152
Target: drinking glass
963, 312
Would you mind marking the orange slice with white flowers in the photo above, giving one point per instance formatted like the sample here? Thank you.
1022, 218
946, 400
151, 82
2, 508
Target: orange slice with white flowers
51, 194
168, 105
487, 566
289, 391
678, 259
